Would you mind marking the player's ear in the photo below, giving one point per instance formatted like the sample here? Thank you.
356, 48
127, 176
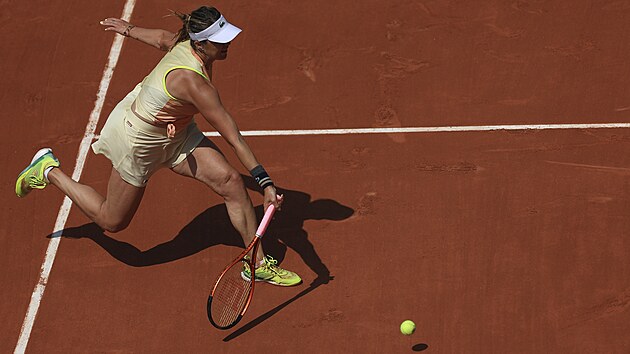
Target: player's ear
199, 46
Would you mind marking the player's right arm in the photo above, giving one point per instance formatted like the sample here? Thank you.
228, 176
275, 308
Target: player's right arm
157, 38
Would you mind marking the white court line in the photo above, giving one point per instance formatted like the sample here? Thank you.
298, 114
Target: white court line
62, 216
464, 128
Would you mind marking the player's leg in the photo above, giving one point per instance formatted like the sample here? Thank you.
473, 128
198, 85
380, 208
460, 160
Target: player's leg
113, 212
208, 165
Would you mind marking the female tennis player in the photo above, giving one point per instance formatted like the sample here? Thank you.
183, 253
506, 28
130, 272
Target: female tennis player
153, 128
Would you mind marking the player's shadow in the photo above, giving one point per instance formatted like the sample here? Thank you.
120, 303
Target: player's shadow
212, 227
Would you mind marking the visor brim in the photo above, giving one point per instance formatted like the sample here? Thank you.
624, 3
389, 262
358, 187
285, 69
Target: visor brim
226, 34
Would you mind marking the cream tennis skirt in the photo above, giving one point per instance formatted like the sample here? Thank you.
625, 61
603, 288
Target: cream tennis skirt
138, 149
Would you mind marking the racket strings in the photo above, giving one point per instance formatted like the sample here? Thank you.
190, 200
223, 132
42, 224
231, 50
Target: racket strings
230, 296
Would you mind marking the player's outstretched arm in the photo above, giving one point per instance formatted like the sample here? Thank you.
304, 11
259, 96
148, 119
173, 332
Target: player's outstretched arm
157, 38
191, 87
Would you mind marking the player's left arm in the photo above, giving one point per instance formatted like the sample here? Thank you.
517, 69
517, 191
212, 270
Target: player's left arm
155, 37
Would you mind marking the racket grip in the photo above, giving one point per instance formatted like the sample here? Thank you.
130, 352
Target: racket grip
271, 209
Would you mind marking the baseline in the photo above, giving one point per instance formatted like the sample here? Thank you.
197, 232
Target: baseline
465, 128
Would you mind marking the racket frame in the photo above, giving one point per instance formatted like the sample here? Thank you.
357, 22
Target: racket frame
253, 246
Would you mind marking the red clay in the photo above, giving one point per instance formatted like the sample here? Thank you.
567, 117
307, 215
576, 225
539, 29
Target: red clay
494, 242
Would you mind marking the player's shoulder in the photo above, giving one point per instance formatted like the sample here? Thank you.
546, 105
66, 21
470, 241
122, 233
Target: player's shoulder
190, 78
189, 86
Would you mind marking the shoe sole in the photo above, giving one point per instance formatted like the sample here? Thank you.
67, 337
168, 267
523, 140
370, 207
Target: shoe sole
38, 155
246, 278
41, 152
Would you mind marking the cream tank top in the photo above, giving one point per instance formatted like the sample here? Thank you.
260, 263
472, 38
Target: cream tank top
154, 104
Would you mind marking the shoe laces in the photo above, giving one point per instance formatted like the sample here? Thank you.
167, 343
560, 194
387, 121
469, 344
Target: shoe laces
35, 181
272, 265
270, 261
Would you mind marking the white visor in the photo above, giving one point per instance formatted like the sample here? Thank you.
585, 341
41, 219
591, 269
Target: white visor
220, 31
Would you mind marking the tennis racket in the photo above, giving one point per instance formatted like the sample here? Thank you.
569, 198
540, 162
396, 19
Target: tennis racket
233, 291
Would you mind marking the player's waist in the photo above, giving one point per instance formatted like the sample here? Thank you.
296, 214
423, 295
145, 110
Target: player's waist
152, 125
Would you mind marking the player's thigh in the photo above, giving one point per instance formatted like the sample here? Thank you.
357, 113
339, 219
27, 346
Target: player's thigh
208, 165
123, 199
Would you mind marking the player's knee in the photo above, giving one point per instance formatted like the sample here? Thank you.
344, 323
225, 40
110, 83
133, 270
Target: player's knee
114, 226
230, 183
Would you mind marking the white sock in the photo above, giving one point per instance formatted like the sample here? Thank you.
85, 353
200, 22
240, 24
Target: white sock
46, 173
259, 263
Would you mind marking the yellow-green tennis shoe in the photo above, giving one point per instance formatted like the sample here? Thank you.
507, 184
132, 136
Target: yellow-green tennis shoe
33, 176
269, 272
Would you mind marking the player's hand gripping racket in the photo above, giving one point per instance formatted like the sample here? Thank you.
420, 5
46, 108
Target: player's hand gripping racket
233, 291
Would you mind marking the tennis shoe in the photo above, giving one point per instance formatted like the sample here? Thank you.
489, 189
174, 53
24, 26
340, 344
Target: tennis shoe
271, 273
33, 176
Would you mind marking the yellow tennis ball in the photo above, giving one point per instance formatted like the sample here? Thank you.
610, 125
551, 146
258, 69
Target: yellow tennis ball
407, 327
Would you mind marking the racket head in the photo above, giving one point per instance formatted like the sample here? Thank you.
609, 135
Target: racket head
233, 291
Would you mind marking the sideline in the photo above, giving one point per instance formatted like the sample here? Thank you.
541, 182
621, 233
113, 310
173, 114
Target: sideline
62, 216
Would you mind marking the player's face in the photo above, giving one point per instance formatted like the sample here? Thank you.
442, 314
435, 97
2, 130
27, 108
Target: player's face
216, 51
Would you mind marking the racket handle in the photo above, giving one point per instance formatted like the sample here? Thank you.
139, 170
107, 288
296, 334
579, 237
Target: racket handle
265, 220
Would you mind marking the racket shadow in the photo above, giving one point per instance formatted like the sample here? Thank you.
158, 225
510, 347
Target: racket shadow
260, 319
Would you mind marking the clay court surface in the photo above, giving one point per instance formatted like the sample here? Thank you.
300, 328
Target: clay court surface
498, 241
